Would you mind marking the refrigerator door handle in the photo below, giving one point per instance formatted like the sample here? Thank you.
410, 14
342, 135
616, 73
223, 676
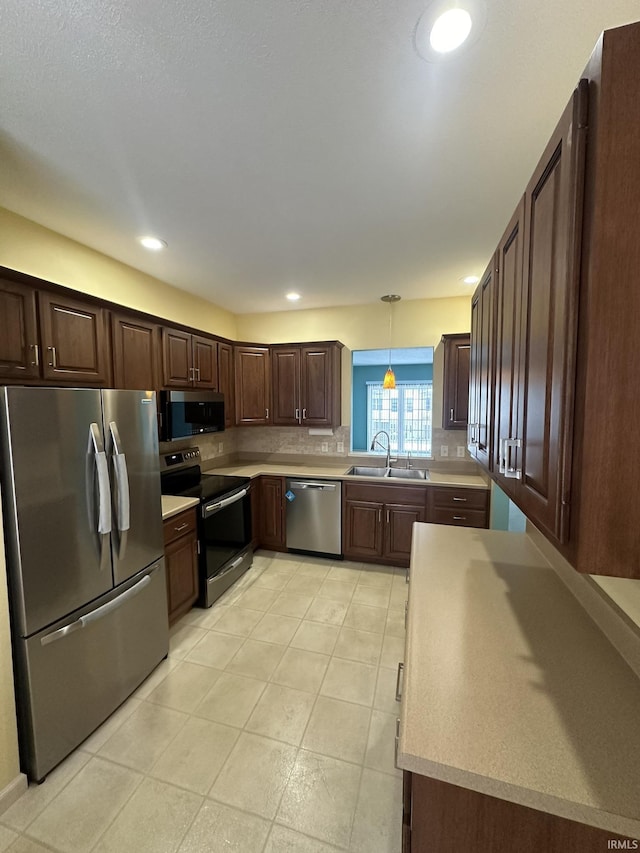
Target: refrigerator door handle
98, 613
123, 503
104, 490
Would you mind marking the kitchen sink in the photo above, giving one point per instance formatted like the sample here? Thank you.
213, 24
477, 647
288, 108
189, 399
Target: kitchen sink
393, 473
366, 471
408, 473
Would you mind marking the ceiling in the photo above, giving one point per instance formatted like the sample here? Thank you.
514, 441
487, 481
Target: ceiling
283, 144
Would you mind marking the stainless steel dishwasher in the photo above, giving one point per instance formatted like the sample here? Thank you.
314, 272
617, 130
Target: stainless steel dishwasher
314, 514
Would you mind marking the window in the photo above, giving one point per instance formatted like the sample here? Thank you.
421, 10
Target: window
405, 413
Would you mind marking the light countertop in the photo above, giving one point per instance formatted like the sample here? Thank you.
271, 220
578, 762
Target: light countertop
510, 688
436, 478
174, 504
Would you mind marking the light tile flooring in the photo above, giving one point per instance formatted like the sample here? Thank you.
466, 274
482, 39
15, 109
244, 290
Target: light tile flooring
269, 729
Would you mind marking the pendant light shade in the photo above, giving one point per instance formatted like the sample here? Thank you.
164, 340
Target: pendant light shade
389, 380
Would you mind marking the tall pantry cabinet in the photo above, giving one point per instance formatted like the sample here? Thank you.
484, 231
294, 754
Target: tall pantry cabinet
565, 310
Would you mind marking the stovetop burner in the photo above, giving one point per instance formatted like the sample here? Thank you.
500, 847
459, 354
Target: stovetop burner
179, 477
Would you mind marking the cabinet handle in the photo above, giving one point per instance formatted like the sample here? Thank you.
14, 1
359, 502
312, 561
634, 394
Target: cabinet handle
398, 685
182, 527
36, 355
459, 517
54, 358
198, 372
450, 414
509, 472
304, 414
298, 415
397, 744
266, 414
464, 500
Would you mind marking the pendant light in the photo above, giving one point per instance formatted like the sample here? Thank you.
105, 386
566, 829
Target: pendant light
389, 380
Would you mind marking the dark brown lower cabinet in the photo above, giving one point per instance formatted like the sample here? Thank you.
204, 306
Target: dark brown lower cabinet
181, 563
271, 513
459, 507
377, 521
441, 818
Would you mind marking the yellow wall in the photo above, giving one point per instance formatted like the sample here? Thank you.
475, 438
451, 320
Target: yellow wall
35, 250
9, 762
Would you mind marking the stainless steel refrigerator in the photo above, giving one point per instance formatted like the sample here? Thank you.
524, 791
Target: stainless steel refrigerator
83, 533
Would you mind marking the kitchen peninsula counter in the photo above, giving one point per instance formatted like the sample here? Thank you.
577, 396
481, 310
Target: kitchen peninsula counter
509, 688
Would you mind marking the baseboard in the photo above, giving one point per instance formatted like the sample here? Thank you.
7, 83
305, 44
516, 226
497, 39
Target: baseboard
11, 792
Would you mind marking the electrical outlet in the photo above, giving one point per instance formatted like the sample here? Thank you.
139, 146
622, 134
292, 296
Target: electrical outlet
461, 450
325, 446
220, 446
340, 446
444, 450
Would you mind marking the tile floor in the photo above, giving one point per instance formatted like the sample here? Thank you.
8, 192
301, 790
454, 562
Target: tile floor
269, 729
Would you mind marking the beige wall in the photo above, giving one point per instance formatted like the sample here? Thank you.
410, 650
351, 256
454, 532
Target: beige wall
9, 762
414, 323
35, 250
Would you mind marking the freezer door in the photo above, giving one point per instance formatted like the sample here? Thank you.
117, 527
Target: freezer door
131, 439
56, 498
71, 676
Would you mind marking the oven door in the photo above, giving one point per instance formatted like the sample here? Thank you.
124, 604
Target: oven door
225, 543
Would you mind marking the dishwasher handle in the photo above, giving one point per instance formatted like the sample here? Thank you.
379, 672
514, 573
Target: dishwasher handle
312, 485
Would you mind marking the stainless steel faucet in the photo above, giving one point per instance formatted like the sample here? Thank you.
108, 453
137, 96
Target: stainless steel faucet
408, 459
387, 448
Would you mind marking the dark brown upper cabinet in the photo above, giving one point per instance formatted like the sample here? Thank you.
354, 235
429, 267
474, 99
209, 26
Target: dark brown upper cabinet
306, 384
455, 403
226, 382
253, 385
75, 342
189, 361
20, 348
481, 367
136, 353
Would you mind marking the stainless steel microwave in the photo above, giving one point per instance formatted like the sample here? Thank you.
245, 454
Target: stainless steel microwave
188, 413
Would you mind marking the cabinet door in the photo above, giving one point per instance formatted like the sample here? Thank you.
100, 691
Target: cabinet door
553, 210
253, 385
136, 353
362, 529
177, 359
507, 458
272, 533
481, 367
19, 350
287, 409
226, 382
399, 520
205, 362
75, 345
181, 564
455, 406
317, 385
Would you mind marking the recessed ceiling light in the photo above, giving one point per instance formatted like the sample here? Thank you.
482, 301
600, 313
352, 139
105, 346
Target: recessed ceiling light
450, 30
471, 279
153, 243
293, 297
449, 27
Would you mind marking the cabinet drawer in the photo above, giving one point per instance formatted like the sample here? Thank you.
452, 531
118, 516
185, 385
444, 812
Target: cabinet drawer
460, 498
459, 517
179, 525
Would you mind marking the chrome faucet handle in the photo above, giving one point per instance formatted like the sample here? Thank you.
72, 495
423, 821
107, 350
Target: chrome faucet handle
408, 459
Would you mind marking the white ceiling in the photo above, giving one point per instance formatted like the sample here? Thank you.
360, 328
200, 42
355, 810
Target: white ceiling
283, 144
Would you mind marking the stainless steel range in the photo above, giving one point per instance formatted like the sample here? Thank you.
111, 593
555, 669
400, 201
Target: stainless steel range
224, 519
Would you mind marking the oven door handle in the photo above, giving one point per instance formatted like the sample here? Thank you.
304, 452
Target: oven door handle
224, 502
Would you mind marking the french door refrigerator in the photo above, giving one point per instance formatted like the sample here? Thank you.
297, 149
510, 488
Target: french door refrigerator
83, 533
